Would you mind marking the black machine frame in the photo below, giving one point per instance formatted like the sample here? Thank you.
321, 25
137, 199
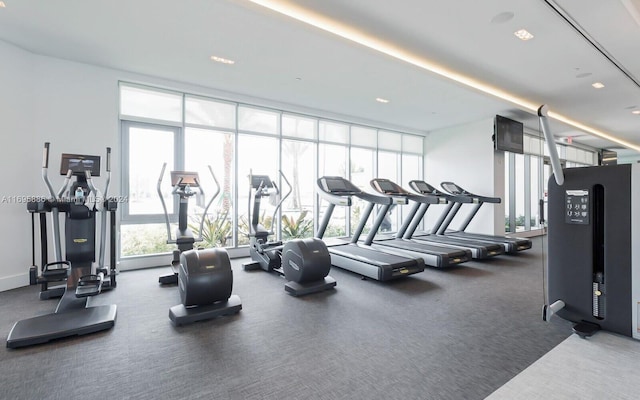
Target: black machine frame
74, 279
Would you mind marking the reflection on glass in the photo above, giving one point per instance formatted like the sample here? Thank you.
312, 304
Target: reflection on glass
332, 161
210, 113
257, 120
520, 214
362, 170
144, 169
298, 162
257, 155
388, 163
204, 148
535, 193
152, 104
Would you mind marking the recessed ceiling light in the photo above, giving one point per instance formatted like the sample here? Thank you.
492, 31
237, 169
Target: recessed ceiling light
2, 5
326, 24
597, 85
381, 100
636, 112
523, 34
222, 60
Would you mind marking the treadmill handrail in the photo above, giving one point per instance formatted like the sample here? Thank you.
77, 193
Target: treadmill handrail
338, 198
450, 197
478, 198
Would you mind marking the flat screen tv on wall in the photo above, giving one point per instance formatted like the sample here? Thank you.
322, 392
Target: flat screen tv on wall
508, 135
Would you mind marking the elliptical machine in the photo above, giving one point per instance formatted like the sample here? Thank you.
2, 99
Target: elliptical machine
71, 277
305, 263
204, 276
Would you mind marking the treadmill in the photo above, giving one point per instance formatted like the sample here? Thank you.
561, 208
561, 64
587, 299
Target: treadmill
512, 245
349, 255
479, 249
434, 255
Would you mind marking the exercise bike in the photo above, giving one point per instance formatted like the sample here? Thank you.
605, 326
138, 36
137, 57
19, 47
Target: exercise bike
305, 263
72, 277
204, 276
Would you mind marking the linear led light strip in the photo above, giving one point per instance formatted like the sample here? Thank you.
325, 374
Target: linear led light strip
346, 32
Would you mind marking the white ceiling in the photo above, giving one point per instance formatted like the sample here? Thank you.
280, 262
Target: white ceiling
287, 61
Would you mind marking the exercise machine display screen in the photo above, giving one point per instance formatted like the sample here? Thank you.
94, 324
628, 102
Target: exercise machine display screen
386, 187
184, 178
423, 187
451, 188
79, 163
338, 185
264, 180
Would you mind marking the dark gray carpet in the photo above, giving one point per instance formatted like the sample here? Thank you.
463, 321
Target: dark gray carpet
452, 334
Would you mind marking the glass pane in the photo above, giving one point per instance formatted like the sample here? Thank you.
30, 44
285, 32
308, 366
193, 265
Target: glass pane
362, 171
257, 120
507, 190
411, 170
257, 155
298, 165
388, 168
389, 141
535, 195
333, 162
519, 192
334, 132
137, 240
204, 148
144, 103
145, 166
412, 144
211, 113
296, 126
571, 154
364, 137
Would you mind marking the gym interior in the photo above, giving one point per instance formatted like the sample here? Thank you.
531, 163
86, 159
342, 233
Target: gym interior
275, 199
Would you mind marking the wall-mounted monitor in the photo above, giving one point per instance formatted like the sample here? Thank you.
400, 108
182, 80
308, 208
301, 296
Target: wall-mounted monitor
608, 157
508, 135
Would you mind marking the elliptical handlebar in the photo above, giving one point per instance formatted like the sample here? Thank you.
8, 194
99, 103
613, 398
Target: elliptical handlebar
283, 198
108, 169
206, 209
164, 205
182, 192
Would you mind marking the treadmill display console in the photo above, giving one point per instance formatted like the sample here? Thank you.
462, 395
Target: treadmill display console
423, 187
337, 185
385, 187
453, 189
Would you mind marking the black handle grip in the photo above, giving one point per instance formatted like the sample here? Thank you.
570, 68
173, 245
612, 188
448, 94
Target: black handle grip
541, 211
45, 156
108, 159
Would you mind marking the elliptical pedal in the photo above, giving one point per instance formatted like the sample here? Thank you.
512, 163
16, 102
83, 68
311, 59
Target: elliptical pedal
55, 271
89, 285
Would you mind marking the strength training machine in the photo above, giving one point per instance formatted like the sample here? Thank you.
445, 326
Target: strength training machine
593, 266
204, 276
304, 263
72, 277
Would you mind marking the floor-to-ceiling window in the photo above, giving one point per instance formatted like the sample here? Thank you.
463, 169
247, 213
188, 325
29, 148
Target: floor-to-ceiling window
224, 142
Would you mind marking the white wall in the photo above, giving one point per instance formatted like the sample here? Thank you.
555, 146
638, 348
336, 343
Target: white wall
464, 155
75, 107
17, 157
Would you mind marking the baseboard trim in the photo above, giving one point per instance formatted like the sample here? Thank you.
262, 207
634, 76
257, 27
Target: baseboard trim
14, 282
